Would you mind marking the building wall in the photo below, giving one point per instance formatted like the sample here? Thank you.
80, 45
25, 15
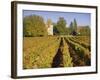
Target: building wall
50, 30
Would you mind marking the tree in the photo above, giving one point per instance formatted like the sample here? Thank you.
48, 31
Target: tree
71, 28
34, 26
61, 26
55, 31
75, 25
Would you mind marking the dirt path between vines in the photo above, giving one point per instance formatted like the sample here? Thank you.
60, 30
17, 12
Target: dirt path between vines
58, 59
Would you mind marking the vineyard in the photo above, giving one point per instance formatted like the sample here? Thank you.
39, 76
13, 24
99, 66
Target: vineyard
56, 51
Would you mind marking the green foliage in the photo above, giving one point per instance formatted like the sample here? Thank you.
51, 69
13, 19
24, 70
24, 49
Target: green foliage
75, 25
34, 26
61, 26
71, 28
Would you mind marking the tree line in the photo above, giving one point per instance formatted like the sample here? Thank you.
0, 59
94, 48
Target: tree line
35, 25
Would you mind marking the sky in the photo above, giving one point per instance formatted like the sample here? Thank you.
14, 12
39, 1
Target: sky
83, 19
